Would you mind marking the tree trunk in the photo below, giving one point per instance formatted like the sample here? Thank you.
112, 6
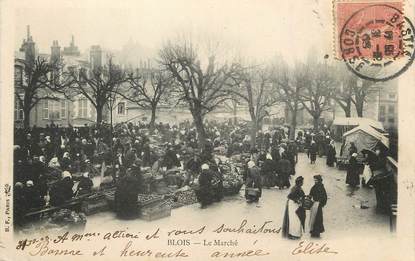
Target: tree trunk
359, 109
153, 119
99, 110
293, 124
315, 123
347, 113
26, 118
347, 109
200, 128
254, 129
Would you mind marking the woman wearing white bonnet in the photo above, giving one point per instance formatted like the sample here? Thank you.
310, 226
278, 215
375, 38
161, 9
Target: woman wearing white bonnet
66, 174
205, 193
54, 163
253, 183
251, 164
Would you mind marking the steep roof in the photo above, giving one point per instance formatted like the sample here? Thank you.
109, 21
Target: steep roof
371, 131
356, 121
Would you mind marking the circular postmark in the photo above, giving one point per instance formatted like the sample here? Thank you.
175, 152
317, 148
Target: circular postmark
377, 42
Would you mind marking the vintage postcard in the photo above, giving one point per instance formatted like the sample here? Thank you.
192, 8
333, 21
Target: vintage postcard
207, 130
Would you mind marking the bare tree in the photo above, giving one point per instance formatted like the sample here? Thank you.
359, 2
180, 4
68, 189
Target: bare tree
232, 105
360, 92
351, 90
147, 89
288, 85
203, 89
255, 89
99, 84
315, 97
43, 80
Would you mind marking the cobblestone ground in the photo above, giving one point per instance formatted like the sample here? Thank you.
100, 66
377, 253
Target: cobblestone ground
343, 216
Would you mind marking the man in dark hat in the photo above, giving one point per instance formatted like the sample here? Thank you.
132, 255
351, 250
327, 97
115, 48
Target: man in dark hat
319, 196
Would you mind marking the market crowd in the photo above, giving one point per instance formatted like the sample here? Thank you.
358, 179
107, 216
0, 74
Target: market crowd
54, 165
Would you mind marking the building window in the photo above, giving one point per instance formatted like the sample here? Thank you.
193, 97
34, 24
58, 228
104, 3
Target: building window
18, 111
391, 109
18, 75
63, 109
121, 108
45, 110
392, 96
391, 120
54, 110
83, 108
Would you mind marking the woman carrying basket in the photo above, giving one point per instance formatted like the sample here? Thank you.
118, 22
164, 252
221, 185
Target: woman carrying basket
253, 186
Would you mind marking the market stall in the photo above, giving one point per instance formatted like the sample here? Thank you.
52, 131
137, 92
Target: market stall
341, 125
364, 137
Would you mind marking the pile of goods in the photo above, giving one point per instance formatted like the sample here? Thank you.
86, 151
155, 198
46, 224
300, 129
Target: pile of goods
173, 203
186, 196
147, 199
66, 217
232, 179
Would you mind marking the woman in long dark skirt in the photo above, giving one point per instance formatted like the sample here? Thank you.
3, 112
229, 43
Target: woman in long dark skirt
284, 170
126, 196
253, 180
268, 170
352, 178
204, 194
313, 152
319, 196
331, 154
294, 215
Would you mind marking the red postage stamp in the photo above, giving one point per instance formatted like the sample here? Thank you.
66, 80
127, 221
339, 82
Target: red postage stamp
374, 38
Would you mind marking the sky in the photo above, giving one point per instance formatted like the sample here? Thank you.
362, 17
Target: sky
254, 29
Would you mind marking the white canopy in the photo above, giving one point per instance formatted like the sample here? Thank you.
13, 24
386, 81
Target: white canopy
356, 121
365, 137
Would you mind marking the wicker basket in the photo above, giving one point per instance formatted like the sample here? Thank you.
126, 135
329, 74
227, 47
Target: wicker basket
307, 203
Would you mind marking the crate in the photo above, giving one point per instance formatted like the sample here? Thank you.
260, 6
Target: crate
155, 212
93, 206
